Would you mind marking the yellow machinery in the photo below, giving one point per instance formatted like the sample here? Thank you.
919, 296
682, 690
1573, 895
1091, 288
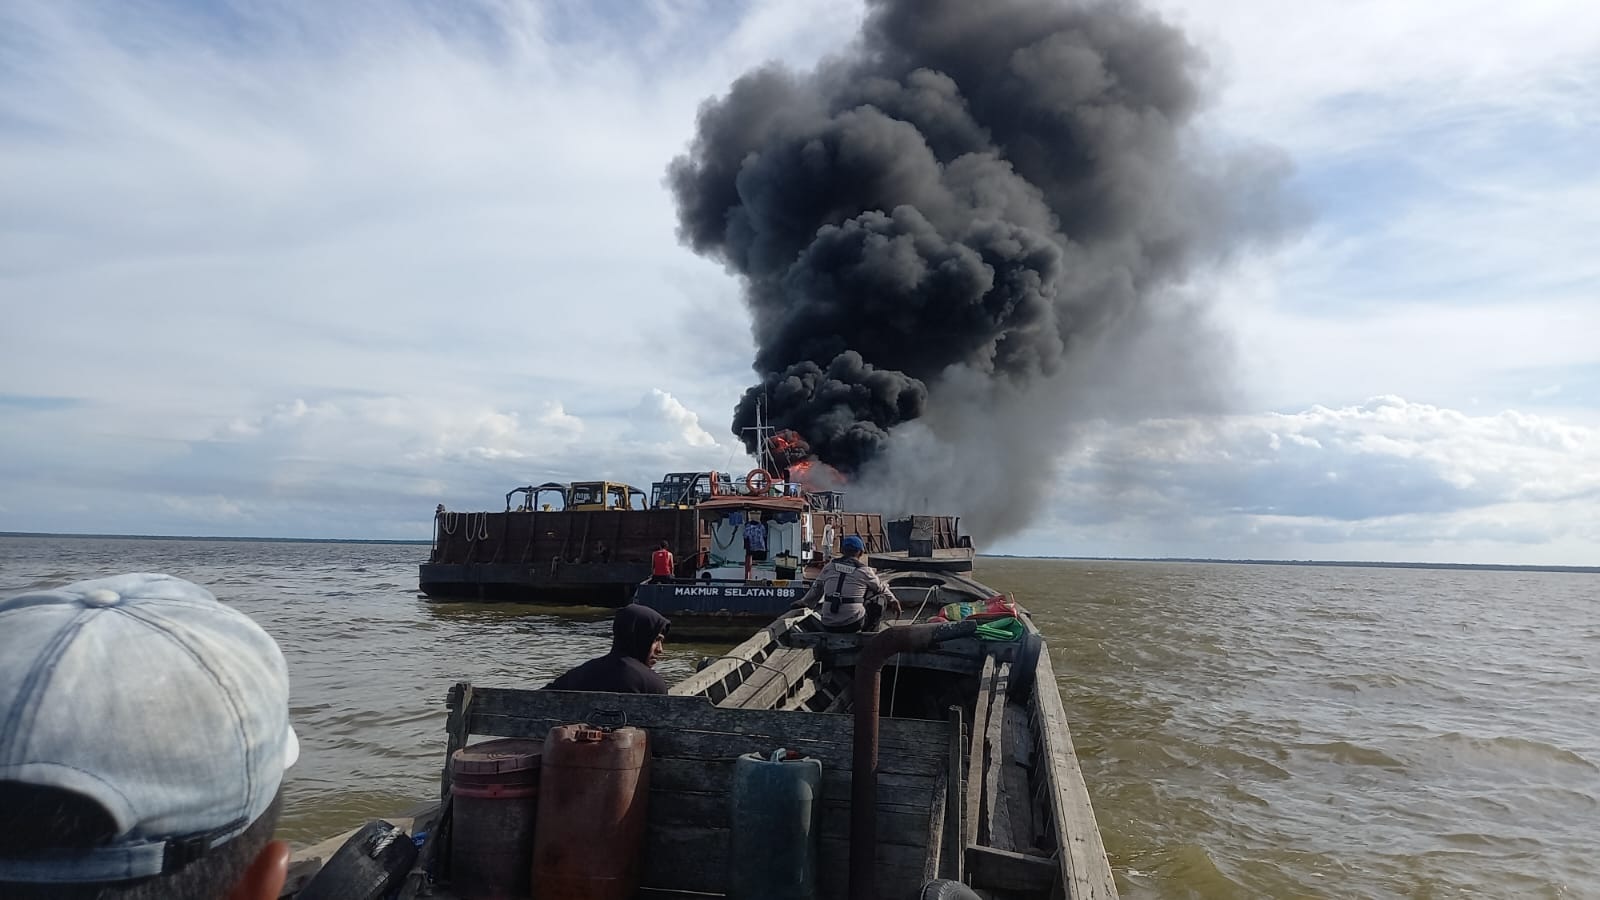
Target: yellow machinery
587, 496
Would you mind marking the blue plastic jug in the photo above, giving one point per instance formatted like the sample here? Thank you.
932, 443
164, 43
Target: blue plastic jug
772, 848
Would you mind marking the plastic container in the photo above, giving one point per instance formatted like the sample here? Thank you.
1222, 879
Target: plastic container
592, 809
773, 827
495, 786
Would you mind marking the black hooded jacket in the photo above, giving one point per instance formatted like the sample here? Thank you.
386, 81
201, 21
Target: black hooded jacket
626, 669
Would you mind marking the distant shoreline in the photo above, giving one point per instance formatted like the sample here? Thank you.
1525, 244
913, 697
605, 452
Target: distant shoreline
198, 537
1348, 564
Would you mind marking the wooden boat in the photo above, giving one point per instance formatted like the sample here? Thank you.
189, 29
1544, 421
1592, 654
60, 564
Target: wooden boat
944, 756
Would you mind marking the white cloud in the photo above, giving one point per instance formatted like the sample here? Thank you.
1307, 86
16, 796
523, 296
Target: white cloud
1396, 479
661, 419
304, 269
1444, 153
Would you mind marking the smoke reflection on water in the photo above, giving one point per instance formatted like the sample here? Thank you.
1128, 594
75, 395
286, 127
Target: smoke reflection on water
1245, 730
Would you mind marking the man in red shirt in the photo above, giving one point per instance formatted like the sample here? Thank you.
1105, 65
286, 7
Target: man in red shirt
661, 564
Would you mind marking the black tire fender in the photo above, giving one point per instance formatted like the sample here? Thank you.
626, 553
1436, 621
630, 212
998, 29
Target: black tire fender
945, 889
369, 865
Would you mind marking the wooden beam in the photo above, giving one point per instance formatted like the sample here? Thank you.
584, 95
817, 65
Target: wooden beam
1002, 870
691, 727
954, 861
980, 726
778, 677
996, 829
1017, 780
944, 662
757, 647
459, 702
936, 824
1085, 870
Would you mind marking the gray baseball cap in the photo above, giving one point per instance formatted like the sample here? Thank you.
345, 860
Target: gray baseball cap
146, 695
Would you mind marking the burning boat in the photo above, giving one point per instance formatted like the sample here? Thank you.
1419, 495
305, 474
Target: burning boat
760, 551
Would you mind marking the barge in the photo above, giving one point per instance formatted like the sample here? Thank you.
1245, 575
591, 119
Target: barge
584, 542
946, 766
590, 543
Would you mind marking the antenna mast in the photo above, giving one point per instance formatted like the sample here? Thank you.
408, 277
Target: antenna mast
763, 439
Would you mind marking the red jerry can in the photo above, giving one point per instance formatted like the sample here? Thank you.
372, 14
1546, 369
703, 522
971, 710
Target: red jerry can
593, 797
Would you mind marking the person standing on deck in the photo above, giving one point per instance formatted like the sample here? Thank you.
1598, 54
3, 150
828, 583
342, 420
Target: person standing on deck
755, 542
851, 593
637, 635
661, 563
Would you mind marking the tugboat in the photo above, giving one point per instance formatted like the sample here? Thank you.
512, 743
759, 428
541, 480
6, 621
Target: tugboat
761, 549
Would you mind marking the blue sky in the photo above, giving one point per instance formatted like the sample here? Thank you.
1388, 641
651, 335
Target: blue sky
307, 270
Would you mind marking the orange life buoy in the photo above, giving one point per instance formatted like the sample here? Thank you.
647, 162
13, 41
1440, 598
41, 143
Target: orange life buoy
715, 491
758, 481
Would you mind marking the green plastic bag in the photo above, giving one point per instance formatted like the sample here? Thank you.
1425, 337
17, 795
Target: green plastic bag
1006, 629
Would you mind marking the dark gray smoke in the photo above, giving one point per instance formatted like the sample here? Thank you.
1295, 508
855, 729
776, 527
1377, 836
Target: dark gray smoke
949, 233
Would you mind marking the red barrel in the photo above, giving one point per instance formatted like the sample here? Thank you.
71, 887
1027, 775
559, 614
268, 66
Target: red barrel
591, 824
495, 786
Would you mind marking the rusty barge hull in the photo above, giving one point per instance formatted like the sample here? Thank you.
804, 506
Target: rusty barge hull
579, 585
591, 558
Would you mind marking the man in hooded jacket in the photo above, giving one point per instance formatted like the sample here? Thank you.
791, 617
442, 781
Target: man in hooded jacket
637, 634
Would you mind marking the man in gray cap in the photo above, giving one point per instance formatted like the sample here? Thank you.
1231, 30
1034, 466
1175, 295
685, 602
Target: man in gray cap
850, 593
144, 734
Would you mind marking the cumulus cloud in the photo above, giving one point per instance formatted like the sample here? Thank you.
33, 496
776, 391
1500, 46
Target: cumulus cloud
442, 229
661, 418
353, 466
212, 209
1419, 479
1451, 189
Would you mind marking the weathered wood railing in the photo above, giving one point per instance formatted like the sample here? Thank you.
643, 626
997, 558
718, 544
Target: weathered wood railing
693, 748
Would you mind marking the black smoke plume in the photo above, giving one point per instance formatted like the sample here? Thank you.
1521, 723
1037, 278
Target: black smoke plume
954, 234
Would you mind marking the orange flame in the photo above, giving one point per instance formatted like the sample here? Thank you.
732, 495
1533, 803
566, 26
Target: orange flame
790, 451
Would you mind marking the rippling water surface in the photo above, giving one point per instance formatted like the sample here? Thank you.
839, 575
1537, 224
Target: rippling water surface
1247, 731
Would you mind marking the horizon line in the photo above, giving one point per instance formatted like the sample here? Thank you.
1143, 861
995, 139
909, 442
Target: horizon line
1347, 563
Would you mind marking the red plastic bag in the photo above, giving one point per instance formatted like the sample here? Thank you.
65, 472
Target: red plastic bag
995, 607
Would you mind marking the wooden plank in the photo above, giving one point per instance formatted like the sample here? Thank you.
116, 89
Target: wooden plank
902, 826
1016, 777
896, 793
1085, 870
460, 702
1002, 870
980, 727
936, 823
695, 713
672, 808
809, 688
954, 861
758, 646
996, 830
778, 677
943, 662
665, 742
686, 858
691, 726
899, 870
910, 791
